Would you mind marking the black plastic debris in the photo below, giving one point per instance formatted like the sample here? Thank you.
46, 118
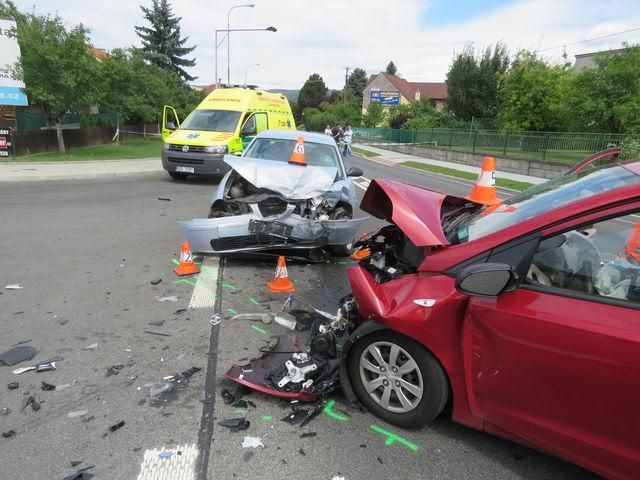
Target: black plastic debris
32, 401
114, 369
156, 281
301, 452
164, 199
18, 354
240, 404
156, 323
13, 385
379, 460
21, 342
81, 474
47, 386
157, 333
117, 426
180, 311
296, 417
9, 434
75, 463
308, 435
312, 414
235, 424
189, 373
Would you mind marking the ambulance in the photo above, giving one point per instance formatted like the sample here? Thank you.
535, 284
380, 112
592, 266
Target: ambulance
224, 123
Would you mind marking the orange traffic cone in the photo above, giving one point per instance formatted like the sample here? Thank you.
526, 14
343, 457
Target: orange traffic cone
297, 156
361, 253
281, 282
186, 267
484, 191
632, 248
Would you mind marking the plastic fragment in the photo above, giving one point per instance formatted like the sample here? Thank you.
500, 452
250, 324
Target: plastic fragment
59, 388
17, 354
93, 346
296, 417
117, 426
81, 474
75, 463
5, 411
235, 424
9, 434
168, 298
158, 388
77, 413
114, 369
156, 281
286, 320
308, 435
47, 386
255, 317
45, 367
156, 323
13, 286
13, 385
301, 452
33, 401
252, 442
338, 477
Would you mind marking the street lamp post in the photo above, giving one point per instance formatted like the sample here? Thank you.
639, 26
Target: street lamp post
268, 29
247, 5
246, 72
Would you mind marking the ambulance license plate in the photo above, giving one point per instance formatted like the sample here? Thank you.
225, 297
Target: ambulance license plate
182, 169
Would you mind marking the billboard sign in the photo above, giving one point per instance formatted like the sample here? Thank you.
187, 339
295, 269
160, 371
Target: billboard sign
11, 92
6, 144
385, 97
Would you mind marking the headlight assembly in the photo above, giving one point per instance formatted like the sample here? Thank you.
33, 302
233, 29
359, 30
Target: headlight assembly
216, 149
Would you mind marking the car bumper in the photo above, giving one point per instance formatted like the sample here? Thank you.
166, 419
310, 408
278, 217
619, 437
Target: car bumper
202, 163
252, 232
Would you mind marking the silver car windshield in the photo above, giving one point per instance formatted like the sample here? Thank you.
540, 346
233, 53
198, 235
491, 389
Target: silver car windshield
211, 121
317, 154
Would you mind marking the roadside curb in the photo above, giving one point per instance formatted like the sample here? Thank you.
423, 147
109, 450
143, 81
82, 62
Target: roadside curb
88, 176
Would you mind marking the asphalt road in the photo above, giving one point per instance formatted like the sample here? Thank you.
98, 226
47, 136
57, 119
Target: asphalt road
85, 253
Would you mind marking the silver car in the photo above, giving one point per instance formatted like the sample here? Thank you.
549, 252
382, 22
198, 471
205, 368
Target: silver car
265, 203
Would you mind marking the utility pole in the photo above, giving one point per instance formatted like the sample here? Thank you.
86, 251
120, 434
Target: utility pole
346, 83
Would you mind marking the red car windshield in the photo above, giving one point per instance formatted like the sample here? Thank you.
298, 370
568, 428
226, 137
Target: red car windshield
538, 200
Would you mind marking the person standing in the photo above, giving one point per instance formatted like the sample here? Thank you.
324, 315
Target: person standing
348, 139
327, 130
335, 133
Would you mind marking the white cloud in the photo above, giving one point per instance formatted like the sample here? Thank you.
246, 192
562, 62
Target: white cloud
325, 37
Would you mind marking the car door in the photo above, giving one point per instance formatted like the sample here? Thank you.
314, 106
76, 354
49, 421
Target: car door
170, 121
253, 124
556, 362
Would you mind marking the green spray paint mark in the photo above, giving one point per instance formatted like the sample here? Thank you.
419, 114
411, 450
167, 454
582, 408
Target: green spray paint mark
184, 280
392, 437
258, 329
328, 410
254, 301
266, 418
241, 411
274, 314
229, 286
343, 263
175, 262
232, 311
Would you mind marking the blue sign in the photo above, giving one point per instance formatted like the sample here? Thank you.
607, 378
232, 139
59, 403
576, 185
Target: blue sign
385, 97
13, 96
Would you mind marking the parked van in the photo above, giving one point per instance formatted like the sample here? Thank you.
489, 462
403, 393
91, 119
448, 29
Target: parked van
225, 122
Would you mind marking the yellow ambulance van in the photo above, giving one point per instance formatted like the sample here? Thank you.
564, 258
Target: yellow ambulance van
225, 122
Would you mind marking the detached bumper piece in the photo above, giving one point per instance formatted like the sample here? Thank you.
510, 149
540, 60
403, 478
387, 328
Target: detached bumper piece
301, 365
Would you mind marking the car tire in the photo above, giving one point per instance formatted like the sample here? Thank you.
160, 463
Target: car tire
425, 387
178, 175
341, 250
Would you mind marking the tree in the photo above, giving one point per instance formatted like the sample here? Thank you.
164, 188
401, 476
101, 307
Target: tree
356, 82
533, 93
391, 69
56, 65
162, 43
607, 98
312, 93
422, 115
472, 82
349, 113
375, 115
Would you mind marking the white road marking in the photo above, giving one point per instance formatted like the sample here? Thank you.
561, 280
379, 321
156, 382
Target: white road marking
361, 182
204, 293
178, 466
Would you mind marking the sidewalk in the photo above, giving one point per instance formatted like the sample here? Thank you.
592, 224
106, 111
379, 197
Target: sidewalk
36, 171
393, 158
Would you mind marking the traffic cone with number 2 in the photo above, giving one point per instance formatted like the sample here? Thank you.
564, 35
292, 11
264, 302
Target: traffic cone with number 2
281, 282
186, 267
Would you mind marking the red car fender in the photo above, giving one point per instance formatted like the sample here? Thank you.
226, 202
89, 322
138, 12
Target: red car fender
438, 328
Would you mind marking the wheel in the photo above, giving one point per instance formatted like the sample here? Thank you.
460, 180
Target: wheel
341, 250
397, 379
178, 175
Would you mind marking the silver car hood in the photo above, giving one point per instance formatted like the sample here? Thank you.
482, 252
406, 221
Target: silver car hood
294, 182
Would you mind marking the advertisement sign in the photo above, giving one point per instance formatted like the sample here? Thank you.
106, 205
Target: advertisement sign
10, 90
385, 97
5, 142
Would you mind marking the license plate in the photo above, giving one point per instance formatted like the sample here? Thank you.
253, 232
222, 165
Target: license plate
182, 169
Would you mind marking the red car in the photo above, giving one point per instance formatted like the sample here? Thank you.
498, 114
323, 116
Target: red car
523, 318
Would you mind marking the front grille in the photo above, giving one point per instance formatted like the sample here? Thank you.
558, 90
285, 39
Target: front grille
247, 241
186, 161
272, 206
192, 148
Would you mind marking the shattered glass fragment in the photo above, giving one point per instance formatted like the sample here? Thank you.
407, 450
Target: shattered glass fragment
252, 442
158, 388
77, 413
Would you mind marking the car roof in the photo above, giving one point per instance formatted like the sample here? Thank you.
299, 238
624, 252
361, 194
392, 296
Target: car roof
294, 134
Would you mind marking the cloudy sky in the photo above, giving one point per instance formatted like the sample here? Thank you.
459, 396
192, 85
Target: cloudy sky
326, 36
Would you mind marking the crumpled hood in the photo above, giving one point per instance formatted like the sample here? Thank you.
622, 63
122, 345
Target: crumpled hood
293, 182
415, 210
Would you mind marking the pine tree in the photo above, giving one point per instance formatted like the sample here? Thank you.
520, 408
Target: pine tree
357, 81
161, 43
391, 68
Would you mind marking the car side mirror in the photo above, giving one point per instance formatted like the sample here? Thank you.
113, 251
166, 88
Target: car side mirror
486, 279
355, 172
170, 126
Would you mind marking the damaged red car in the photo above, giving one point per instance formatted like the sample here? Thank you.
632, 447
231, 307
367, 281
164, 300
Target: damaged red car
522, 318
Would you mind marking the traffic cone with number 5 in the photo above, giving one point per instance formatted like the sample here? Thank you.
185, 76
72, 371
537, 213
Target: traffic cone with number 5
186, 267
484, 191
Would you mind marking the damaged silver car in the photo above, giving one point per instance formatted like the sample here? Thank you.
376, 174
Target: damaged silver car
289, 191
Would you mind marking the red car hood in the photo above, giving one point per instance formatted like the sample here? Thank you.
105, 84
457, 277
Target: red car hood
415, 210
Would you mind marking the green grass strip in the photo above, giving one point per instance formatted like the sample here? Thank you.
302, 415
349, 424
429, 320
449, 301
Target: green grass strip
258, 329
328, 410
366, 153
392, 437
452, 172
254, 301
232, 311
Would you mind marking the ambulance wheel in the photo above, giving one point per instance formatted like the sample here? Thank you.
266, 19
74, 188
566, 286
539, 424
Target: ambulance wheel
178, 175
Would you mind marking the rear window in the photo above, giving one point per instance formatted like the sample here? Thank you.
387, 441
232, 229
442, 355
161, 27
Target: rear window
279, 150
541, 199
211, 121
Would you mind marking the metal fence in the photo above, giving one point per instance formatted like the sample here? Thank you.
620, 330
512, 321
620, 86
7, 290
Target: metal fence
555, 147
